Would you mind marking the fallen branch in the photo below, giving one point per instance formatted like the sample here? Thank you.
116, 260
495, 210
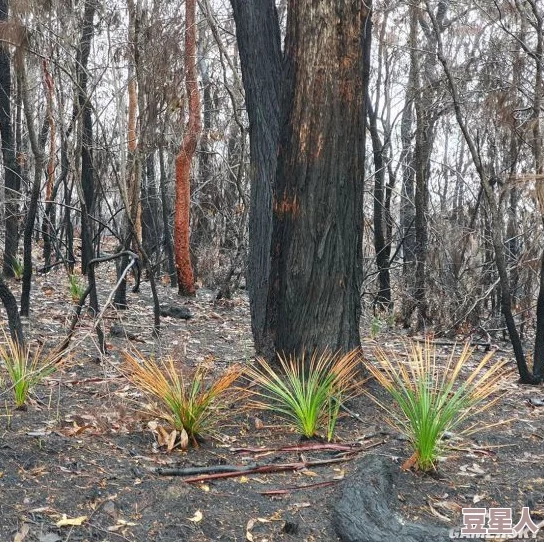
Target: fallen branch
231, 471
188, 471
314, 446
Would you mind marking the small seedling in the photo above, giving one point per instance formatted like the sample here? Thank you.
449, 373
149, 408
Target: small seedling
375, 326
306, 394
76, 288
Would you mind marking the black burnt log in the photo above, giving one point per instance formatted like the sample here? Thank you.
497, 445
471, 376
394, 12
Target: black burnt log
365, 511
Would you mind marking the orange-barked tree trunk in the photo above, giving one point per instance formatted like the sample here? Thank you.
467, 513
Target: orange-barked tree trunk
184, 268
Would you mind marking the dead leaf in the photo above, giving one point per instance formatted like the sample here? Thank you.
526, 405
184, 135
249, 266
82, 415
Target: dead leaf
165, 438
197, 518
251, 524
183, 440
21, 535
171, 440
410, 462
476, 469
66, 521
449, 505
258, 424
438, 514
121, 524
309, 473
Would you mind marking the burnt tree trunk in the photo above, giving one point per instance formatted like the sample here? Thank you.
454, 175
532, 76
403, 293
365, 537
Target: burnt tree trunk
150, 210
12, 176
82, 108
314, 289
258, 36
10, 304
382, 219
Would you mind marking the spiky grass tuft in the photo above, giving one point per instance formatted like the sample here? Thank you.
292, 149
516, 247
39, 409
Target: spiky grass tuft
26, 369
75, 287
430, 399
18, 268
191, 404
307, 394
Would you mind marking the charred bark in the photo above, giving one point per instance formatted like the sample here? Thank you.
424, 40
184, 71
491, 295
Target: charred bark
314, 297
12, 174
82, 109
258, 36
10, 304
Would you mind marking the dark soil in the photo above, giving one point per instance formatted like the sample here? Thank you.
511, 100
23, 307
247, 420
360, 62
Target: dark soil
82, 451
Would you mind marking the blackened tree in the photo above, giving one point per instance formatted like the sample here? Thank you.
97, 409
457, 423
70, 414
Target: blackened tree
313, 298
12, 177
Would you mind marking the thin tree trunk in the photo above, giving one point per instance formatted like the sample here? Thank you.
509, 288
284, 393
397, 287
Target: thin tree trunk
496, 227
382, 243
37, 151
48, 221
167, 231
184, 268
82, 109
407, 207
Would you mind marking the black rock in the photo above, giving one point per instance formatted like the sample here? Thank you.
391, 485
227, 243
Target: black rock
117, 330
290, 527
182, 313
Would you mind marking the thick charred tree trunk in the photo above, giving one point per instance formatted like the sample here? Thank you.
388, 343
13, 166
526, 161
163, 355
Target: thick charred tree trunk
258, 36
184, 268
12, 176
314, 297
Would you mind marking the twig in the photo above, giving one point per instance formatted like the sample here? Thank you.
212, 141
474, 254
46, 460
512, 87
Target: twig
286, 490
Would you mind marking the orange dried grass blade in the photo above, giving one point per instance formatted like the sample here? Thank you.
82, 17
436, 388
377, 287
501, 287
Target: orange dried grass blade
410, 462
